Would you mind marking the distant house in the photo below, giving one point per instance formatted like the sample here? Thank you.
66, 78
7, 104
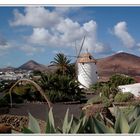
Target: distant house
132, 88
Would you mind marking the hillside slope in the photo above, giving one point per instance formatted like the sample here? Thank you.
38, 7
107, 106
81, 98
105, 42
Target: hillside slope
119, 63
32, 65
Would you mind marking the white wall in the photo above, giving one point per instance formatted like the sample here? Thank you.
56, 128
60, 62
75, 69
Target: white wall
87, 74
133, 88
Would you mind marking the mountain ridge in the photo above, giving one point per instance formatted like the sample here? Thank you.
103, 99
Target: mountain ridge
32, 65
125, 63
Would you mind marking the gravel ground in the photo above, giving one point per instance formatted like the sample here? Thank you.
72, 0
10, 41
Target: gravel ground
40, 111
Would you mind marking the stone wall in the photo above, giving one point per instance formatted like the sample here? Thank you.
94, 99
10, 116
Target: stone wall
18, 122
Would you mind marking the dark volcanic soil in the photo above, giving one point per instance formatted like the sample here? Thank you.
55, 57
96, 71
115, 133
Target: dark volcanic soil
40, 111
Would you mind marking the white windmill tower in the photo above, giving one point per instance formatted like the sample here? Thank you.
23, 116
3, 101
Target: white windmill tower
86, 68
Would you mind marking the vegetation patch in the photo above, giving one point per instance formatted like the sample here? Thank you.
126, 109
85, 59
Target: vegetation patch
123, 97
90, 124
109, 91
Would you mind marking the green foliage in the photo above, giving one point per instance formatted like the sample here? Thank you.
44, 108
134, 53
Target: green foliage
62, 62
61, 88
90, 124
134, 113
123, 97
37, 73
121, 124
71, 71
105, 89
21, 90
126, 110
106, 102
50, 127
110, 89
33, 124
3, 102
25, 92
135, 126
5, 85
120, 79
67, 124
97, 100
97, 87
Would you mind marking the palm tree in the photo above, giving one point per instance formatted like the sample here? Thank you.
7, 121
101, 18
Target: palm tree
62, 62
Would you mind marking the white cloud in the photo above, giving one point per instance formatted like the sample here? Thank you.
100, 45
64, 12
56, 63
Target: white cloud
36, 17
30, 50
51, 28
39, 36
103, 48
120, 30
66, 33
4, 45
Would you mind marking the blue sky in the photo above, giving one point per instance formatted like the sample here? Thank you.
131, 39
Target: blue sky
39, 33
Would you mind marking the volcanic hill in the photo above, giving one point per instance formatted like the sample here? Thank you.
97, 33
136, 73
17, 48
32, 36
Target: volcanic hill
124, 63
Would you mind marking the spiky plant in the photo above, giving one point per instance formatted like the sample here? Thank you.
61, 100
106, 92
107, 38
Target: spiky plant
92, 124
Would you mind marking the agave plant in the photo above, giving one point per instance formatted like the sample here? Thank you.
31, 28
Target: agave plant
92, 124
126, 124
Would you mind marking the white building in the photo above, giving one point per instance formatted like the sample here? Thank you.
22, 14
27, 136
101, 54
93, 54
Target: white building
13, 75
132, 88
87, 70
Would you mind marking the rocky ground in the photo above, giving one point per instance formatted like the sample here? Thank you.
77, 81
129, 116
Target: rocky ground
16, 123
17, 116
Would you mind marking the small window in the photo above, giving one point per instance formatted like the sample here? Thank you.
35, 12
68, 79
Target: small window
90, 57
96, 72
82, 63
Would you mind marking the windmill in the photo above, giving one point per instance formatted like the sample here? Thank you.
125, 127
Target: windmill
86, 69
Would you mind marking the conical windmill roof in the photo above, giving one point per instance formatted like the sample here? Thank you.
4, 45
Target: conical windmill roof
86, 58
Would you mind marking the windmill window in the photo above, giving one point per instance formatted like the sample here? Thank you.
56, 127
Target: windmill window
90, 57
96, 72
82, 63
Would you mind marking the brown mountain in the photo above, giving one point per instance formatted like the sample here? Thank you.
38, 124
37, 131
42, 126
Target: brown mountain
119, 63
32, 65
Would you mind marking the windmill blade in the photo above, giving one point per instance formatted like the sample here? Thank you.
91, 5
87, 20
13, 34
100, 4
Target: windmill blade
76, 67
76, 50
80, 49
81, 46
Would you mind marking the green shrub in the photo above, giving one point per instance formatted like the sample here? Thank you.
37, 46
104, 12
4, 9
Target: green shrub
3, 102
106, 102
17, 98
27, 92
106, 91
111, 87
120, 79
21, 90
61, 88
96, 87
123, 97
127, 110
97, 100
